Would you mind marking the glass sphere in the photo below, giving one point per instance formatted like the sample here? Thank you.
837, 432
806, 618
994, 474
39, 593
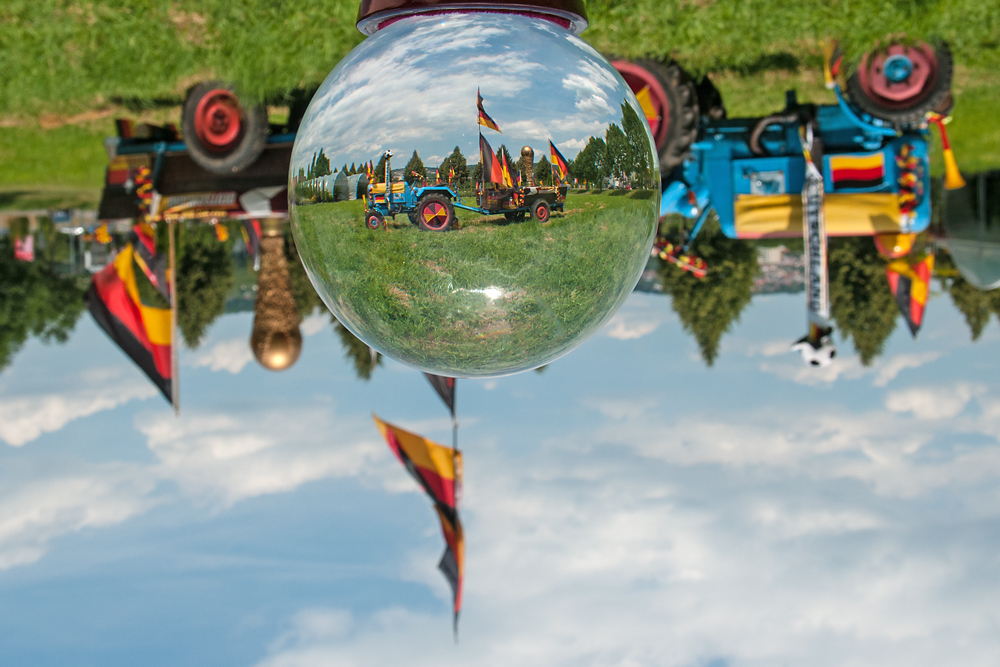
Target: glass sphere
492, 250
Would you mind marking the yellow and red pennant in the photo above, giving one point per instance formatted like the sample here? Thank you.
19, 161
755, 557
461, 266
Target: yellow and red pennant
438, 470
910, 285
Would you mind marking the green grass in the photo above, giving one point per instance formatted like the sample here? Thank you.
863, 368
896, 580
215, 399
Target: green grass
64, 57
420, 294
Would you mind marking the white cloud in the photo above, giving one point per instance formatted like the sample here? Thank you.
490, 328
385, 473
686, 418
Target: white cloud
849, 368
34, 513
930, 403
316, 322
228, 355
889, 369
26, 417
232, 457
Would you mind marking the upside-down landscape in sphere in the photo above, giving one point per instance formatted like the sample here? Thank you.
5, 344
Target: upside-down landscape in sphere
484, 255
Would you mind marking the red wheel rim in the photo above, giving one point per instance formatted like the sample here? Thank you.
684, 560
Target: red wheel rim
640, 79
435, 215
899, 94
218, 119
542, 213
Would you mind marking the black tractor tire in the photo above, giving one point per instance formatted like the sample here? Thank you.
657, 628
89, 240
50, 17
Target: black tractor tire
934, 96
374, 220
673, 143
228, 141
540, 211
435, 212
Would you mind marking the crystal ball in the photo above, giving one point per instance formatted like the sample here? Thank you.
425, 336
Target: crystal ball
474, 194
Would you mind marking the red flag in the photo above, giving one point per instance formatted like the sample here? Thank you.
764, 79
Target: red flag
134, 310
484, 118
492, 171
438, 469
559, 161
910, 286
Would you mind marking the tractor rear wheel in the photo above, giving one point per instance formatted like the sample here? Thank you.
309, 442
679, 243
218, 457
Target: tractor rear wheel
223, 136
435, 212
670, 102
900, 83
540, 211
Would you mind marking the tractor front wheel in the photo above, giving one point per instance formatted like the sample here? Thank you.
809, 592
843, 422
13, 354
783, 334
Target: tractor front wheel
900, 83
435, 213
374, 219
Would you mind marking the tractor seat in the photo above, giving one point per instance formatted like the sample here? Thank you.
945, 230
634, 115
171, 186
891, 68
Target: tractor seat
379, 188
776, 216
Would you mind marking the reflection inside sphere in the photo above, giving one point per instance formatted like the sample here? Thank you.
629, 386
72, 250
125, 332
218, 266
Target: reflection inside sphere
522, 200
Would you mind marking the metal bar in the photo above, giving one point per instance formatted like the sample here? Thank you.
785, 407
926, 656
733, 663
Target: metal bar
175, 380
697, 227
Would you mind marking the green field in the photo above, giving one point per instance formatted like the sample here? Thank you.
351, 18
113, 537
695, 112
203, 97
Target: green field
526, 291
70, 67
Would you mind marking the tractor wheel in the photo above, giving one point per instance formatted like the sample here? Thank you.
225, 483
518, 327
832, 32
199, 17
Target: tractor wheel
222, 135
900, 83
435, 212
374, 220
540, 212
670, 102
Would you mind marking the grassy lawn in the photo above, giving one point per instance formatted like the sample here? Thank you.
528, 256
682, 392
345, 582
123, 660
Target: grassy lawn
64, 62
485, 295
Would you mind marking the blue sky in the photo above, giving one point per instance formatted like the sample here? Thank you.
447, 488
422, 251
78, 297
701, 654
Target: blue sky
626, 506
413, 87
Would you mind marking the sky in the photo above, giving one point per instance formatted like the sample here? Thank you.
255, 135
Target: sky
413, 86
625, 506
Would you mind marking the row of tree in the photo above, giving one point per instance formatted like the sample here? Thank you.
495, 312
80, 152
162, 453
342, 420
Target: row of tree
319, 166
623, 155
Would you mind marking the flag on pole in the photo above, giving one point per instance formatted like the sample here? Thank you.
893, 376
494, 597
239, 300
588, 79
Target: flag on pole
492, 171
133, 307
438, 470
445, 388
508, 182
559, 162
910, 285
251, 236
484, 118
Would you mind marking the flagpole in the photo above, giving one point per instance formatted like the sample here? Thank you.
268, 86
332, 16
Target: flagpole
175, 383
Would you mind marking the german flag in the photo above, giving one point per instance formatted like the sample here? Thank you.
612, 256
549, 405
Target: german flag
484, 118
438, 469
559, 162
508, 182
130, 300
492, 171
857, 171
445, 388
251, 236
910, 285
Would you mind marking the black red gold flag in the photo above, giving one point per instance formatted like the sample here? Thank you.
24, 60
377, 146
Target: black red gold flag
559, 162
251, 235
492, 171
910, 285
129, 299
484, 118
445, 388
438, 470
508, 182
